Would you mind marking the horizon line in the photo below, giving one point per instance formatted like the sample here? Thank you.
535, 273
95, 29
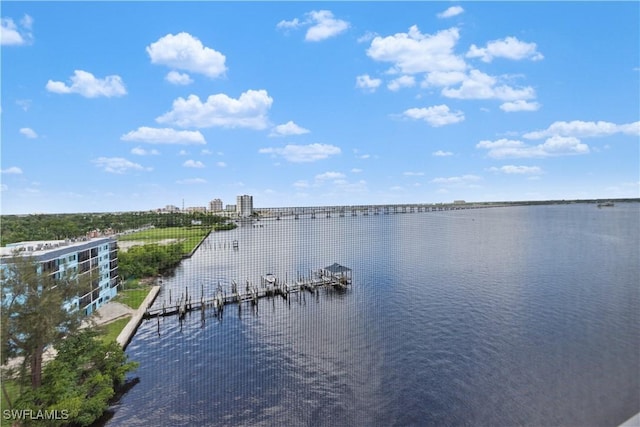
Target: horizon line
504, 202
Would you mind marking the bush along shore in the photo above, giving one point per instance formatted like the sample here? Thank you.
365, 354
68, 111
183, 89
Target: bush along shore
150, 256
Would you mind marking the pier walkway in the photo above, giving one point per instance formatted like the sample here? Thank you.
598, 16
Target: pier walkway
334, 276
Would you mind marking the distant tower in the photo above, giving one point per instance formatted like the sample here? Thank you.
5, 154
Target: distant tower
244, 206
215, 205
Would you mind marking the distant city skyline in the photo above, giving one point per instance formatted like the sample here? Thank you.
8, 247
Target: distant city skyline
316, 103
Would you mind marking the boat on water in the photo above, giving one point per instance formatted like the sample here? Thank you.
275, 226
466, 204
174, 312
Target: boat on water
270, 278
606, 205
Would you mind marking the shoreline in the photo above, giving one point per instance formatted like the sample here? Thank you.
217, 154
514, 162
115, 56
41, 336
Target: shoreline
193, 251
130, 329
127, 333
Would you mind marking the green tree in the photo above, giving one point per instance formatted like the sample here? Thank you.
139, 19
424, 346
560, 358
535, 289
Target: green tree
16, 228
80, 380
148, 260
35, 311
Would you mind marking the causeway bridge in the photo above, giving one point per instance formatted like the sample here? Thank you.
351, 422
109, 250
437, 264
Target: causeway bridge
364, 210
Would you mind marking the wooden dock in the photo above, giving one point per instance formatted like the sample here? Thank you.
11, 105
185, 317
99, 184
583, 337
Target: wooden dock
334, 276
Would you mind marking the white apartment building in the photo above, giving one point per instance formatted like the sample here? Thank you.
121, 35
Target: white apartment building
215, 205
97, 257
244, 206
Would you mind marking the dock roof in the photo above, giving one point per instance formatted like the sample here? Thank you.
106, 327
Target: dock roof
337, 268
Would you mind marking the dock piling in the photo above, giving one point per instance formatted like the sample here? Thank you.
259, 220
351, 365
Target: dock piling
335, 276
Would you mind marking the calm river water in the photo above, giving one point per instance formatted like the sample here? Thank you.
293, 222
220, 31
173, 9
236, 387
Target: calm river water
500, 316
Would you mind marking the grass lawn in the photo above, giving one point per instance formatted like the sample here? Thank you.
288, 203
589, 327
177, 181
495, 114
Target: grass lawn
113, 329
132, 297
12, 388
188, 236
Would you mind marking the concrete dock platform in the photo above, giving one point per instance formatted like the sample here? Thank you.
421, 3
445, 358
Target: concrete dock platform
130, 329
632, 422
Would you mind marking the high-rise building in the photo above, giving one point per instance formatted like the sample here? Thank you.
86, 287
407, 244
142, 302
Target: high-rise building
215, 205
244, 206
95, 257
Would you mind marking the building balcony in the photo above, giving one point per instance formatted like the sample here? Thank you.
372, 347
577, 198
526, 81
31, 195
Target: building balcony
85, 300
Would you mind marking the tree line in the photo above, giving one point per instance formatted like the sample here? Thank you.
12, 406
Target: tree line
148, 260
75, 386
19, 228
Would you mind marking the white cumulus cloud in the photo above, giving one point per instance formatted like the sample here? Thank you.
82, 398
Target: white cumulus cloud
436, 116
366, 83
457, 180
29, 133
288, 129
183, 51
400, 82
552, 147
452, 11
478, 85
118, 165
441, 153
164, 136
582, 129
509, 47
330, 175
324, 26
87, 85
13, 170
519, 105
294, 23
139, 151
248, 111
301, 184
303, 153
177, 78
320, 24
443, 78
193, 164
517, 170
12, 34
414, 52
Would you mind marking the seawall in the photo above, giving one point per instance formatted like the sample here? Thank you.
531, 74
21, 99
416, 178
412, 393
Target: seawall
190, 254
130, 329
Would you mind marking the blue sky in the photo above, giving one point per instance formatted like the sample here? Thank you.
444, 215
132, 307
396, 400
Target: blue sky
118, 106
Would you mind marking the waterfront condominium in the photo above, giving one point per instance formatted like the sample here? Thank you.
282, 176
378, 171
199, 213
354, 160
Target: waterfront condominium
96, 257
215, 205
244, 206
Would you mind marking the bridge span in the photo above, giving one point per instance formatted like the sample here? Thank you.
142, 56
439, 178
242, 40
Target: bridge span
364, 210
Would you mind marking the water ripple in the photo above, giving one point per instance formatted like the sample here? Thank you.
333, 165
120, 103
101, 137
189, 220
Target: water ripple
518, 316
